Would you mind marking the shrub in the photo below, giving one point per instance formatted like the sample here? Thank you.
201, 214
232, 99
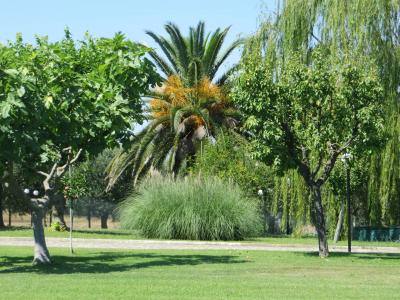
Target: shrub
193, 208
57, 226
229, 158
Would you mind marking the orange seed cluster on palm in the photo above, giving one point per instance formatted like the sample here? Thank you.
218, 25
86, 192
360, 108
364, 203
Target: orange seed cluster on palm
175, 94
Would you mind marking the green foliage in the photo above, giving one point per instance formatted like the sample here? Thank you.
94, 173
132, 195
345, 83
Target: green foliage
193, 57
56, 226
188, 108
370, 29
310, 111
69, 94
193, 208
229, 158
87, 185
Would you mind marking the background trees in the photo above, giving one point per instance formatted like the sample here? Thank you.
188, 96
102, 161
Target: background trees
370, 28
87, 184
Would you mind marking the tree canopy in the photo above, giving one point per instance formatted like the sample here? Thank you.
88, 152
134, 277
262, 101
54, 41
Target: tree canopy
60, 99
307, 115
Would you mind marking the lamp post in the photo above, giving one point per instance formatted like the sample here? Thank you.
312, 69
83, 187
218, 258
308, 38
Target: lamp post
346, 159
35, 193
261, 194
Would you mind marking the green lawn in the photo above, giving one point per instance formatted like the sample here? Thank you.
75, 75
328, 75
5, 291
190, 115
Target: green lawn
93, 274
79, 233
126, 234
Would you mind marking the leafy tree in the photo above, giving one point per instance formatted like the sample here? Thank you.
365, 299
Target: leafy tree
181, 118
60, 99
306, 116
369, 28
194, 57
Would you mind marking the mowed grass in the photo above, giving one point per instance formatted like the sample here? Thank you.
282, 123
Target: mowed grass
78, 233
93, 274
131, 234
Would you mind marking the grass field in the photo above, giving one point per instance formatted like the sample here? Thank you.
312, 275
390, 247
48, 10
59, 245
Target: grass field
207, 275
78, 233
126, 234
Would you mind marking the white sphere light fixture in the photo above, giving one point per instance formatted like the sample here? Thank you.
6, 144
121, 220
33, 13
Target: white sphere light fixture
260, 192
26, 191
35, 193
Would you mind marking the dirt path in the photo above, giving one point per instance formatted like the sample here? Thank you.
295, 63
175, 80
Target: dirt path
186, 245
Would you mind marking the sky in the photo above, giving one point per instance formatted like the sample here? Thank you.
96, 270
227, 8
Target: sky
103, 18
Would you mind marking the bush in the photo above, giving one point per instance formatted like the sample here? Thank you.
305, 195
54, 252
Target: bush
193, 208
229, 158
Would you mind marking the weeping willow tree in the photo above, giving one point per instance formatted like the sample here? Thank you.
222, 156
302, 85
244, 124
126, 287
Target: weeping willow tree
370, 28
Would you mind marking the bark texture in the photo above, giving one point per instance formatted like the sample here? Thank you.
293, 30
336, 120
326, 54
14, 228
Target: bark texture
104, 218
41, 253
339, 223
58, 210
319, 221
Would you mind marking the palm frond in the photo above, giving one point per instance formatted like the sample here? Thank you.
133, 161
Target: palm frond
167, 49
161, 63
180, 45
224, 56
212, 49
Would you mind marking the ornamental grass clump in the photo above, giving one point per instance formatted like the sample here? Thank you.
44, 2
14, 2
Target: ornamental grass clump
192, 208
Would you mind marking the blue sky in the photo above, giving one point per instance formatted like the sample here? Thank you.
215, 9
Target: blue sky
105, 17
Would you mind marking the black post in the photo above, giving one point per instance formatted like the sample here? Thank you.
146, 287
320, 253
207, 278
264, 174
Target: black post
348, 208
265, 214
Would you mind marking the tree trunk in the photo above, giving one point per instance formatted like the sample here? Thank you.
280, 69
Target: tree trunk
9, 217
1, 206
89, 217
58, 211
340, 222
103, 219
319, 221
41, 253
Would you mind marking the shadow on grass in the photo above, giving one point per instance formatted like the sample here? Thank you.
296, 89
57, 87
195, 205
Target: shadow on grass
107, 262
103, 232
14, 228
358, 255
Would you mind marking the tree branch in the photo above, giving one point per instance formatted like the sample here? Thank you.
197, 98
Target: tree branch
332, 160
303, 163
61, 170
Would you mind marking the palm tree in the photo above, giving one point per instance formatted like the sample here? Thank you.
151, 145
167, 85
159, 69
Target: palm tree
187, 108
192, 57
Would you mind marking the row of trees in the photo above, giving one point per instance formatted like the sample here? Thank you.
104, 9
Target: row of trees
304, 99
313, 83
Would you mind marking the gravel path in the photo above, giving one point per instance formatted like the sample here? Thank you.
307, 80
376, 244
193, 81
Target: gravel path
186, 245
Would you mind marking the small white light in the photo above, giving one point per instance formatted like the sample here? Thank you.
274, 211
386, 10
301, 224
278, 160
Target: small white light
346, 156
26, 191
35, 193
260, 192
